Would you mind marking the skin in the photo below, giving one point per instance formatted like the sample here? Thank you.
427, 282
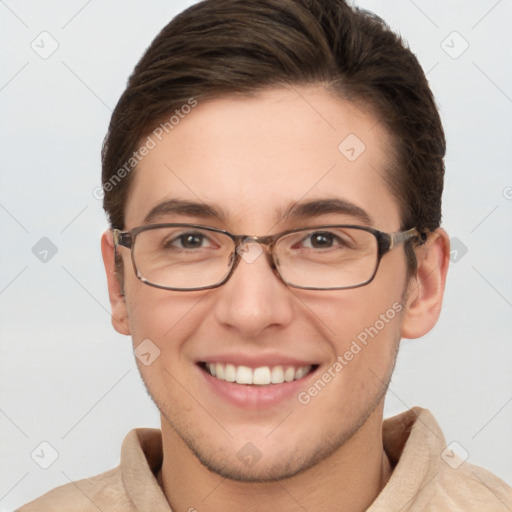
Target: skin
254, 157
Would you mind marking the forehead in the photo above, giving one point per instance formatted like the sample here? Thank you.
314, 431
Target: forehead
252, 158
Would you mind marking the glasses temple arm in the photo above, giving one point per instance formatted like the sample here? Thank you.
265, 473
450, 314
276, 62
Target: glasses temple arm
403, 236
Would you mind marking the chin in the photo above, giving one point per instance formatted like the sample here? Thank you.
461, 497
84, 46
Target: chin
259, 471
268, 464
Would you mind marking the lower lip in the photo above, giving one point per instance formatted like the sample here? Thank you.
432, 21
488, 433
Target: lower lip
254, 396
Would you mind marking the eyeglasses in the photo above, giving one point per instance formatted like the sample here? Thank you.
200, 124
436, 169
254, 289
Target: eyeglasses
186, 257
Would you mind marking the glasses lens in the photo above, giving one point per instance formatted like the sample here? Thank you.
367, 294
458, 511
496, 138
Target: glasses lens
327, 257
182, 257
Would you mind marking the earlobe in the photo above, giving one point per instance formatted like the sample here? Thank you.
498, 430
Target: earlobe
426, 289
116, 295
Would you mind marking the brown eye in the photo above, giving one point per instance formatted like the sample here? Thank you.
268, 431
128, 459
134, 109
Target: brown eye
321, 240
191, 240
186, 241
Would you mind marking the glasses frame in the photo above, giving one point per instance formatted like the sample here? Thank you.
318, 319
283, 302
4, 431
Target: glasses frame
385, 243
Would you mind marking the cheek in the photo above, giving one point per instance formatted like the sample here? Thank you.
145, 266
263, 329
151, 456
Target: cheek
162, 323
360, 371
165, 317
362, 326
356, 314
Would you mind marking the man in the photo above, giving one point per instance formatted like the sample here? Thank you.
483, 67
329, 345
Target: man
273, 177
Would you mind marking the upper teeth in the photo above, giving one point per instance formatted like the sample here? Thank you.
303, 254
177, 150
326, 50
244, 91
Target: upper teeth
260, 376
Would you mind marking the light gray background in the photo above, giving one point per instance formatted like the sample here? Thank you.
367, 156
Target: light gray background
69, 379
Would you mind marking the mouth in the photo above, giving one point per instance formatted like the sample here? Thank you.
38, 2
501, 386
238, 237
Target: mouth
260, 376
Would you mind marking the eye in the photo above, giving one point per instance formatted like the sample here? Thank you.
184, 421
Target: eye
188, 241
191, 240
320, 240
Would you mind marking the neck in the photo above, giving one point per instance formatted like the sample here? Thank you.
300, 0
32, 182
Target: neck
349, 479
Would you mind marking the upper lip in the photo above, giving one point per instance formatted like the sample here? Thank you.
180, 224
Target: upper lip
256, 361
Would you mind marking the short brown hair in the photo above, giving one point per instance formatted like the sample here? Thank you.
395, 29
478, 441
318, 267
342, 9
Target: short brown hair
225, 47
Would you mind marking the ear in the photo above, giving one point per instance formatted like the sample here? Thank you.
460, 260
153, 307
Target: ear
426, 289
115, 293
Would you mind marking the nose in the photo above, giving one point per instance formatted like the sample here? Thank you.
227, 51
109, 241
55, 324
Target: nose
254, 299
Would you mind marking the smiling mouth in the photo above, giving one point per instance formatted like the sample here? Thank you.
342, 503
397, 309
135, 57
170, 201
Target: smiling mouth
261, 376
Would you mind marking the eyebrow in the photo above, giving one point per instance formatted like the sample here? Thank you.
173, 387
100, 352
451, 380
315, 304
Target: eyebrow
316, 208
183, 207
297, 211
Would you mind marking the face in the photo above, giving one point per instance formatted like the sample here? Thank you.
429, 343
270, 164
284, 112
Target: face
251, 160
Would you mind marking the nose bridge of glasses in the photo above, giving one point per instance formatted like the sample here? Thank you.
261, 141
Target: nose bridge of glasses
251, 247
